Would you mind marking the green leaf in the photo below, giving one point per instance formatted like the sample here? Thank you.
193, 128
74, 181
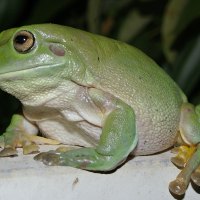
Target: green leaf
9, 12
196, 99
171, 18
187, 66
45, 9
132, 25
190, 13
112, 7
97, 9
93, 15
147, 42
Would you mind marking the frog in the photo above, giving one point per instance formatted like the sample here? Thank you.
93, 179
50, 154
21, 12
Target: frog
103, 96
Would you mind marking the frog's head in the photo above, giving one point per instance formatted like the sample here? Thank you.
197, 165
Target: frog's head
36, 57
30, 47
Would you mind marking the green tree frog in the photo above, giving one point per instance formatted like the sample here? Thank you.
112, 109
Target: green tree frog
103, 95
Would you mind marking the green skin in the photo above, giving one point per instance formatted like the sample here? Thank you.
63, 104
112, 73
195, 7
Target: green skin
66, 77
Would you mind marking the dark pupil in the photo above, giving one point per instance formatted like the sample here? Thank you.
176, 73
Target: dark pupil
21, 39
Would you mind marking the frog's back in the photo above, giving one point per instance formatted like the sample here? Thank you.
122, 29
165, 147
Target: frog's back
133, 77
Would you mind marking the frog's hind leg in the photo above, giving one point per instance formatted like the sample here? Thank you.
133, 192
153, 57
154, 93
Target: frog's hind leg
190, 132
21, 133
117, 140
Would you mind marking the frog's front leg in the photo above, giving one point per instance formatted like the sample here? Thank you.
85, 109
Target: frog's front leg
117, 140
21, 133
190, 132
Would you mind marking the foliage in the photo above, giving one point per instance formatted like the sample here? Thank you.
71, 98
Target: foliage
167, 30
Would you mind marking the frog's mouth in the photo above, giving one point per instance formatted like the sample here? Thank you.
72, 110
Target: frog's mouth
24, 82
37, 68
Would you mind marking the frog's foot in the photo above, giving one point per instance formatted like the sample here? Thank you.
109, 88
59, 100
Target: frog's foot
58, 151
190, 171
29, 143
83, 158
184, 153
20, 133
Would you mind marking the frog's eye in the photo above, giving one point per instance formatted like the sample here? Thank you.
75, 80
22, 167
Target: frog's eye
23, 41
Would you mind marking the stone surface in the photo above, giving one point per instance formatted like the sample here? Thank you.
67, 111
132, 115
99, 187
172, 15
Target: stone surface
145, 177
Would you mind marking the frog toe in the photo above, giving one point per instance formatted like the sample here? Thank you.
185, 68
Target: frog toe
39, 157
196, 176
178, 161
8, 151
11, 150
178, 187
31, 148
184, 153
50, 158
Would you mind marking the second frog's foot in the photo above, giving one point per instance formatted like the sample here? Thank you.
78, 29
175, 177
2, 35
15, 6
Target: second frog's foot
190, 171
21, 133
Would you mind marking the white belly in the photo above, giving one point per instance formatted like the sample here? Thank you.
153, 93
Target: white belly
79, 133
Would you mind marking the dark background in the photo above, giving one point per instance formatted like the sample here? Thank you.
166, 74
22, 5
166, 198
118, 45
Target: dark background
167, 30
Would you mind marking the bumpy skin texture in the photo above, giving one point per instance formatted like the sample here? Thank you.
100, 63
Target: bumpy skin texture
131, 76
83, 89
